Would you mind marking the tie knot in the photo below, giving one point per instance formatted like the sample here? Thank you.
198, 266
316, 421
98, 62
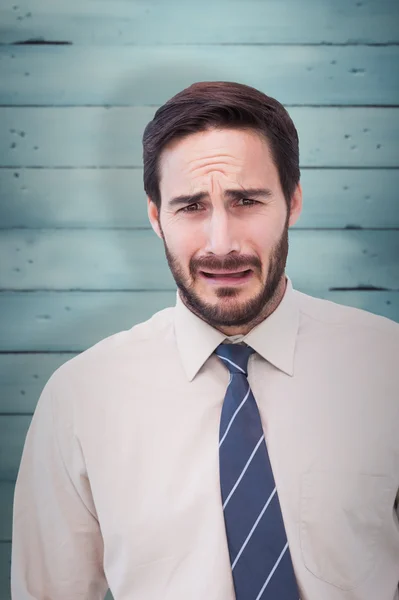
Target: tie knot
235, 357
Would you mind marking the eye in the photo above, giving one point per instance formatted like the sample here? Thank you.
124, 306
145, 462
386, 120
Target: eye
190, 208
248, 201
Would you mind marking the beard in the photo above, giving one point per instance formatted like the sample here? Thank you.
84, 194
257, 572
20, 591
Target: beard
235, 312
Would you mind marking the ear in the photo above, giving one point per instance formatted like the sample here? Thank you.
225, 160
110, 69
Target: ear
153, 216
296, 205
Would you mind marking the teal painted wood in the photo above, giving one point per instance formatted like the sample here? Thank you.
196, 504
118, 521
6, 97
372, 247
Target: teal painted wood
94, 198
93, 136
52, 321
23, 376
13, 431
6, 510
342, 138
134, 260
95, 315
5, 565
253, 21
148, 75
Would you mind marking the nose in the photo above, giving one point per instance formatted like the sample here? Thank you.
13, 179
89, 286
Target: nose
221, 234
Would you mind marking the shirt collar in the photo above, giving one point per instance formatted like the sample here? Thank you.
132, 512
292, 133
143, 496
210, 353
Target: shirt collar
274, 339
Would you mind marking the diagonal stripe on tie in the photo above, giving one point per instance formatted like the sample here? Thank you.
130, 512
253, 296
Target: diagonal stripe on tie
247, 464
234, 415
270, 498
259, 553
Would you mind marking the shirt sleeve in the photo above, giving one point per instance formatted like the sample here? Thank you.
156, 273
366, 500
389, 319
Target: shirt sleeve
57, 546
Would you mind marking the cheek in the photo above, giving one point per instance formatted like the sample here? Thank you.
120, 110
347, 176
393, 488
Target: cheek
261, 237
183, 242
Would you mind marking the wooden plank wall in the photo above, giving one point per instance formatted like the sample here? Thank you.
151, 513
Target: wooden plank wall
79, 79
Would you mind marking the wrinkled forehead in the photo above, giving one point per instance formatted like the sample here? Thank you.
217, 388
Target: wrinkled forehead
217, 158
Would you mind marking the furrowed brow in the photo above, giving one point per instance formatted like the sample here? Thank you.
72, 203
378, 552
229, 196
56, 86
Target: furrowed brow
233, 194
248, 193
189, 199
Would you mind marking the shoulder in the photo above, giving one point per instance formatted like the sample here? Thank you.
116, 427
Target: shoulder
128, 347
339, 321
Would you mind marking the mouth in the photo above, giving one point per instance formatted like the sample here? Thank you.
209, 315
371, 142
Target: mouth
226, 277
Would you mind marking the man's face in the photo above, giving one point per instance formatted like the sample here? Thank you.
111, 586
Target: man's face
224, 223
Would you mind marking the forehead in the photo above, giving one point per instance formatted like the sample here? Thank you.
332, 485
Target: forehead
232, 155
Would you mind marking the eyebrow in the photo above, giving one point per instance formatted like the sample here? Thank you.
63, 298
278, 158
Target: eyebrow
236, 194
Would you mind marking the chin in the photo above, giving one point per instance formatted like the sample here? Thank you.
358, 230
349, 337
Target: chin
226, 294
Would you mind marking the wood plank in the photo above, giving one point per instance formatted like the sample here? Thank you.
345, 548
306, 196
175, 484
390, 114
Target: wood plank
83, 259
6, 510
134, 260
150, 75
5, 571
13, 430
5, 566
69, 320
156, 22
23, 376
93, 136
65, 198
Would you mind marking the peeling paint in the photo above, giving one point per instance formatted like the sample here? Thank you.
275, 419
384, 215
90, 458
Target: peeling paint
361, 288
41, 42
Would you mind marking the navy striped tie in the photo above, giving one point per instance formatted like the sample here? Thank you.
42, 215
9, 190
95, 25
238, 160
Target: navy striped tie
259, 554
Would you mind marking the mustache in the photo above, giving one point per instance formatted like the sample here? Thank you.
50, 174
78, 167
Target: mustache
228, 263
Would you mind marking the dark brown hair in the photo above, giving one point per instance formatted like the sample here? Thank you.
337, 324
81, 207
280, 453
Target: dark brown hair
222, 104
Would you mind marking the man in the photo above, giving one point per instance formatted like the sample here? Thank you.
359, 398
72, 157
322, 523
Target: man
242, 444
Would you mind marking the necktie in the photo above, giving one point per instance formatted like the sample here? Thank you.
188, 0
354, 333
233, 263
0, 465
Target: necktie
259, 554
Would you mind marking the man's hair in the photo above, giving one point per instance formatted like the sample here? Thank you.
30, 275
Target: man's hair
222, 104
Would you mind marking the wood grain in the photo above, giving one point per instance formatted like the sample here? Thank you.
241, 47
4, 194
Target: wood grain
112, 198
96, 137
251, 22
134, 260
78, 260
13, 430
60, 321
5, 566
6, 509
150, 75
92, 317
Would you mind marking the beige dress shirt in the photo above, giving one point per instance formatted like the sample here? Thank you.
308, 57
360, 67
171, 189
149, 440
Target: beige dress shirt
119, 485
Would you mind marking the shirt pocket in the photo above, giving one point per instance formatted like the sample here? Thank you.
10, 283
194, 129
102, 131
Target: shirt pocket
341, 516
